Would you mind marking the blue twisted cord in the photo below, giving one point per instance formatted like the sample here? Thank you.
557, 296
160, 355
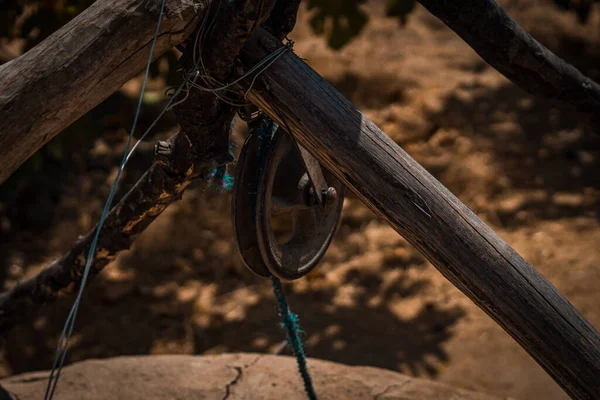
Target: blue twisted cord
289, 321
70, 322
219, 177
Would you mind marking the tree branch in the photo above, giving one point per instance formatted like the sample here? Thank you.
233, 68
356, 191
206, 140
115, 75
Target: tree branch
503, 44
199, 145
70, 72
283, 18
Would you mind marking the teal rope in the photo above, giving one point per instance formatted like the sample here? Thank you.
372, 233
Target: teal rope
219, 177
289, 321
266, 129
70, 322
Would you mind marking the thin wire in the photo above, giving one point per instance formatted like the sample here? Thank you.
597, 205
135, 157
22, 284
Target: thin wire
211, 84
263, 70
70, 322
164, 110
276, 54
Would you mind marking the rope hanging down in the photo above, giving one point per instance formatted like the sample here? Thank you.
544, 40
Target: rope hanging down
289, 320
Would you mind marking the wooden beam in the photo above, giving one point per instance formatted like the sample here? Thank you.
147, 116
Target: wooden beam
52, 85
503, 44
73, 70
421, 209
202, 143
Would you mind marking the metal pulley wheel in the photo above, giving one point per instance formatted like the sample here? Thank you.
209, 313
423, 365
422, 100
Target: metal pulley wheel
286, 207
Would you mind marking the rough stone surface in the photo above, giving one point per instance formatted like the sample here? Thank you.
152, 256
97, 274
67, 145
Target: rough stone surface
229, 376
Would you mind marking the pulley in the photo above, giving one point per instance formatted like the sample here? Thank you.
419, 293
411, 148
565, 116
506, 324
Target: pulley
286, 206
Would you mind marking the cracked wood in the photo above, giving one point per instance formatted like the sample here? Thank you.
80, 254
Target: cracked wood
465, 250
200, 144
55, 83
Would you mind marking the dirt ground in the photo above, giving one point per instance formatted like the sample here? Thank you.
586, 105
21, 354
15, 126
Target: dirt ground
526, 169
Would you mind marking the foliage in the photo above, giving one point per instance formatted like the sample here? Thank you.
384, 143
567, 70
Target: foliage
344, 17
400, 9
581, 7
33, 21
341, 20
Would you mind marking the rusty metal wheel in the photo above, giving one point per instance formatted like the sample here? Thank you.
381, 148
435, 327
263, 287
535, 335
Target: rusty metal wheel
282, 225
295, 227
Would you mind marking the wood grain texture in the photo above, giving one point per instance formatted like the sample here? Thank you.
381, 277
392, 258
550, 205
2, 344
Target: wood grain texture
421, 209
77, 67
201, 143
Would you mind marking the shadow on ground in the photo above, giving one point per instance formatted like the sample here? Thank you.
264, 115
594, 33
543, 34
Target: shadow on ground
182, 289
540, 163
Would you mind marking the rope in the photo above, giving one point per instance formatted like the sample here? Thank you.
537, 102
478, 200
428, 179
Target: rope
219, 177
67, 331
289, 321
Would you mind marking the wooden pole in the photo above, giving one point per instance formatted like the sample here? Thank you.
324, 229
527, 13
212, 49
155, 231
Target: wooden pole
55, 83
202, 143
503, 44
81, 64
421, 209
59, 80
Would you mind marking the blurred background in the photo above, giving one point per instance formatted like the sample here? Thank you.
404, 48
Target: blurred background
527, 170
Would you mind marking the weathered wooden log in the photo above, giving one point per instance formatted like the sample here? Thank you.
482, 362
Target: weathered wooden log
466, 251
52, 85
201, 143
81, 64
503, 44
421, 209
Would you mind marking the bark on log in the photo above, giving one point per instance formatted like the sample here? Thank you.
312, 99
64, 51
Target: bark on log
421, 209
73, 70
464, 249
52, 85
201, 143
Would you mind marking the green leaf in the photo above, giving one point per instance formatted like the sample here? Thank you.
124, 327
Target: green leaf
581, 7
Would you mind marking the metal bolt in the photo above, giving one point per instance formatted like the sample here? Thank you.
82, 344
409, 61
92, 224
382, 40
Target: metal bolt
329, 195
